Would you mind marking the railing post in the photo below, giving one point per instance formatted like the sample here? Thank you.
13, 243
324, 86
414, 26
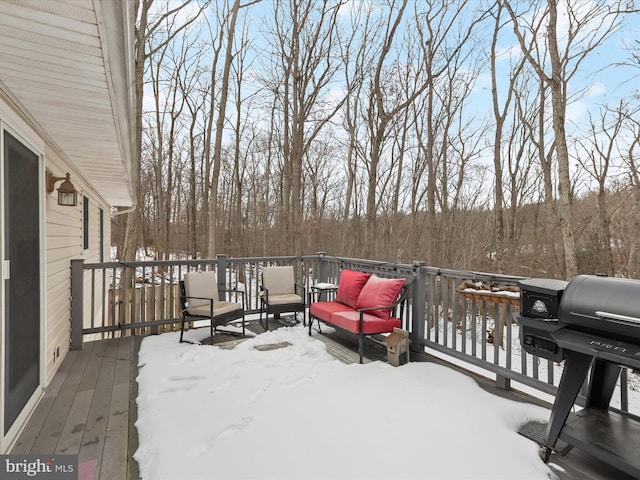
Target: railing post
418, 299
322, 275
77, 305
222, 275
498, 340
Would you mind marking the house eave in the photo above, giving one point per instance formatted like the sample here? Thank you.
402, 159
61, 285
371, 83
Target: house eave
69, 69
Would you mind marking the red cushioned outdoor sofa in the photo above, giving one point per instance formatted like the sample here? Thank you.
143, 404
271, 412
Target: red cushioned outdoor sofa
365, 304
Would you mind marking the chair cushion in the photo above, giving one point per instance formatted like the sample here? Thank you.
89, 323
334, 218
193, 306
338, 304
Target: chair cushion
201, 284
379, 292
279, 280
350, 286
219, 308
350, 321
286, 299
324, 310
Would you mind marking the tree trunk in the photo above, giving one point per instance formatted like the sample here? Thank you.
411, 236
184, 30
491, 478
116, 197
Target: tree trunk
558, 103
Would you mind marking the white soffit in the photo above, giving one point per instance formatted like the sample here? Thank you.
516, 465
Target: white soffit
69, 64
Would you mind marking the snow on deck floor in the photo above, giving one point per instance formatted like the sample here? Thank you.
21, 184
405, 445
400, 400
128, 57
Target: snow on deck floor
297, 412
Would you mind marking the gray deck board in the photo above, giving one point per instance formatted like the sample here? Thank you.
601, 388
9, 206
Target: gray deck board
114, 455
52, 428
93, 439
73, 430
90, 409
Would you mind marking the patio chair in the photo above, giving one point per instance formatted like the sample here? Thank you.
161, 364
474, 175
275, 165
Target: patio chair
200, 300
279, 293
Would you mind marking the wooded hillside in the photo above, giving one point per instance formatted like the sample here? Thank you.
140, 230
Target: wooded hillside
500, 136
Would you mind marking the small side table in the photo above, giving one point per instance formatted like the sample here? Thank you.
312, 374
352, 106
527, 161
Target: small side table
321, 292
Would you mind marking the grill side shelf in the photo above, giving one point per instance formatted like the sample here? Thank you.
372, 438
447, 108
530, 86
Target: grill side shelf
615, 351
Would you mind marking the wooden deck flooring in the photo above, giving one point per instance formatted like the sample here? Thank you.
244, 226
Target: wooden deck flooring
89, 409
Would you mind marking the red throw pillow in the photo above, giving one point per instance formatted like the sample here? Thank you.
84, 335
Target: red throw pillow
380, 292
350, 286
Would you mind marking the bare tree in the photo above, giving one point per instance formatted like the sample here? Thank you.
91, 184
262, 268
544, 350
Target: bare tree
380, 112
596, 155
500, 114
522, 182
149, 25
357, 54
445, 38
230, 23
242, 144
304, 61
195, 103
632, 158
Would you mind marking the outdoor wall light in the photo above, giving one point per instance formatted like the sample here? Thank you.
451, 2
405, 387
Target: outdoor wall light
67, 194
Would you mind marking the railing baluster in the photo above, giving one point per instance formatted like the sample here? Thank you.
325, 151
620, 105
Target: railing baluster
451, 288
93, 297
484, 330
114, 290
445, 309
143, 297
436, 309
474, 327
105, 299
464, 308
497, 334
509, 327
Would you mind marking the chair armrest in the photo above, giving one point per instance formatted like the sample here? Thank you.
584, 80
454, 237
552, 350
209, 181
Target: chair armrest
198, 298
237, 292
186, 308
264, 294
368, 309
401, 299
232, 290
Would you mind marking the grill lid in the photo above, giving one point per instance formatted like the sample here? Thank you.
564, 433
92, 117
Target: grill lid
603, 305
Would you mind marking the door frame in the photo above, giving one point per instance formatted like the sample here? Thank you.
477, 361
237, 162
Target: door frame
11, 123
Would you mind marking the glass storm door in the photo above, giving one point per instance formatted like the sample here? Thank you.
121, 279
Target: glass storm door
21, 347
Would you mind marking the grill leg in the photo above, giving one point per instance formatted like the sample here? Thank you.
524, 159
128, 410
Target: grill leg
604, 376
575, 371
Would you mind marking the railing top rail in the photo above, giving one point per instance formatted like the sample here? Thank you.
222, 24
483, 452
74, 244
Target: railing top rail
147, 263
203, 261
460, 274
472, 275
370, 263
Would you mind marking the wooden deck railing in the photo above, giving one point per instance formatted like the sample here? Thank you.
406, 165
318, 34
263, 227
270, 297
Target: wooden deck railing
124, 298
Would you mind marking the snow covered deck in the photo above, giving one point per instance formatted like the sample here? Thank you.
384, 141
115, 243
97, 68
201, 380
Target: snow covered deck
90, 410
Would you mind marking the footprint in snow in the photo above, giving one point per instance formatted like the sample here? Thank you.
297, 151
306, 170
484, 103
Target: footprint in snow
254, 397
231, 430
294, 382
226, 432
185, 379
224, 385
180, 388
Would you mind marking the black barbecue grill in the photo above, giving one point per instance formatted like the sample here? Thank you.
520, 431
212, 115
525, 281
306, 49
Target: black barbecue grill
593, 324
